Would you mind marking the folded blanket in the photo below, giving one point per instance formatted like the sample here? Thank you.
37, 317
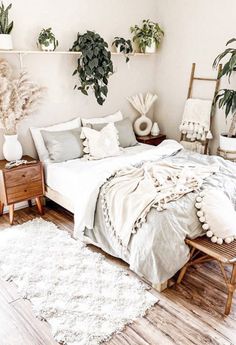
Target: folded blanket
130, 194
196, 119
195, 146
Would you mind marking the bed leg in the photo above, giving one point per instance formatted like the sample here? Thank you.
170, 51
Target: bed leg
160, 287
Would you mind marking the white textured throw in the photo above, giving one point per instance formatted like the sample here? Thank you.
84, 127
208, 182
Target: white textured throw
84, 298
131, 193
196, 119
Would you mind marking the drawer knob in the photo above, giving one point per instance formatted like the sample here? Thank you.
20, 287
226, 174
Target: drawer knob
25, 190
23, 175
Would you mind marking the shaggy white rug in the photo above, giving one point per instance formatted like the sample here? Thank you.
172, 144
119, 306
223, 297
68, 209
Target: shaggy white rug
84, 298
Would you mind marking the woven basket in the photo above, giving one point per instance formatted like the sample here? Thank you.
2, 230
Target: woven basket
230, 155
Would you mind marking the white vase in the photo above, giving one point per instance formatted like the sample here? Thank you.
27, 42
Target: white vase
227, 144
49, 48
12, 149
142, 126
155, 130
5, 42
151, 49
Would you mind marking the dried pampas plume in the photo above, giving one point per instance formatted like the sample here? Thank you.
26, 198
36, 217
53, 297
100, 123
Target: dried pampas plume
5, 69
19, 97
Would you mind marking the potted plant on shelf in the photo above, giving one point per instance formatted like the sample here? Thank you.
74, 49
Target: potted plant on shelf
5, 28
226, 98
94, 65
148, 36
123, 46
18, 99
47, 40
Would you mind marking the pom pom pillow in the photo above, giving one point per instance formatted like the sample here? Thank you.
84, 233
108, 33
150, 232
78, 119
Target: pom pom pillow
100, 144
217, 215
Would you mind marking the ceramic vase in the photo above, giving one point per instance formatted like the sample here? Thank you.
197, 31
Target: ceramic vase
155, 130
12, 149
5, 42
142, 126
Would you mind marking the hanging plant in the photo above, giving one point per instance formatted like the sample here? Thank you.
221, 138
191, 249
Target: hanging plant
94, 65
123, 46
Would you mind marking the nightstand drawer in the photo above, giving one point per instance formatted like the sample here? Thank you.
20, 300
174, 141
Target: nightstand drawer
24, 191
22, 176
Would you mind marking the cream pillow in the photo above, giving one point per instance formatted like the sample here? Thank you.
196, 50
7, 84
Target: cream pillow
38, 139
100, 144
217, 215
118, 116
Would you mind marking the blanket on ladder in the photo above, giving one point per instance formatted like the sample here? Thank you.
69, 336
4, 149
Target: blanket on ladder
128, 196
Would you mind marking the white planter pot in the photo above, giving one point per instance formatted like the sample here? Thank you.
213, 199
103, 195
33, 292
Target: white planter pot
12, 149
142, 126
227, 144
151, 49
49, 48
5, 42
118, 49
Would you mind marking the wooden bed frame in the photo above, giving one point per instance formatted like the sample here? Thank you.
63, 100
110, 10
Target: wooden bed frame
66, 203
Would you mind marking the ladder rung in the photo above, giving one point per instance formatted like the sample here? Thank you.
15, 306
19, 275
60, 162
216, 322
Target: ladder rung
207, 79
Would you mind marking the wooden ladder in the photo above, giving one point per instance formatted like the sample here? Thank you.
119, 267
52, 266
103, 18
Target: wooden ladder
190, 91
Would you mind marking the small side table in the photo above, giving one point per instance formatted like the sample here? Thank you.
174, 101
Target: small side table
21, 183
151, 140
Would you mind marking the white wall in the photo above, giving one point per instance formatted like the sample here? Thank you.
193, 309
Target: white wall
109, 18
195, 31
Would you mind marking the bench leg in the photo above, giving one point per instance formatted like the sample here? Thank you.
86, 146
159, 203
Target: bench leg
231, 288
184, 269
182, 274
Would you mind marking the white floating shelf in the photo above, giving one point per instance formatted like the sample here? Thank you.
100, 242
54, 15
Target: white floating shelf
57, 52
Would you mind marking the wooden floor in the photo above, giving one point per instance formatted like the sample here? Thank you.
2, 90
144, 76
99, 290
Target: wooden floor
191, 313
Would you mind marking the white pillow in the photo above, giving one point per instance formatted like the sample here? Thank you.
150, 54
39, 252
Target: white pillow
100, 144
38, 139
118, 116
216, 212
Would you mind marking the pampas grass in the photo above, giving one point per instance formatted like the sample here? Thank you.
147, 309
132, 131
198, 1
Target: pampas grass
18, 97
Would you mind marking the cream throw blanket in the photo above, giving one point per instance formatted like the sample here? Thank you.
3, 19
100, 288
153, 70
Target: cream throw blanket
196, 119
129, 195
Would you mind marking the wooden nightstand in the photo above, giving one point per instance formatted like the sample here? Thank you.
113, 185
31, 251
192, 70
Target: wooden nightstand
21, 183
150, 140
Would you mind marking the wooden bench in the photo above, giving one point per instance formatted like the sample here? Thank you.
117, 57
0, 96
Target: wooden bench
203, 250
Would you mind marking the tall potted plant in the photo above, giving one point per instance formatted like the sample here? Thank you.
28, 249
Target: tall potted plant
148, 36
18, 99
226, 98
94, 65
5, 28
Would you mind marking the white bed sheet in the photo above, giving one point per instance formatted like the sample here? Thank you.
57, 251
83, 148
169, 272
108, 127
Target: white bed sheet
66, 177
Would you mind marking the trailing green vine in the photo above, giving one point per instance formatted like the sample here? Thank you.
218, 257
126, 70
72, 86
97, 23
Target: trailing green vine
94, 65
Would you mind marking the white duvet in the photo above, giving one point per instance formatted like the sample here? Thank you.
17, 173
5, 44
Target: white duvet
80, 180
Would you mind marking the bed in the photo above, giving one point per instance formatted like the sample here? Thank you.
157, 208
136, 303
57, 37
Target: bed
157, 250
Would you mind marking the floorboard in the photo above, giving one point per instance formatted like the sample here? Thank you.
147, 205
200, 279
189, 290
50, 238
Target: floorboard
191, 313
